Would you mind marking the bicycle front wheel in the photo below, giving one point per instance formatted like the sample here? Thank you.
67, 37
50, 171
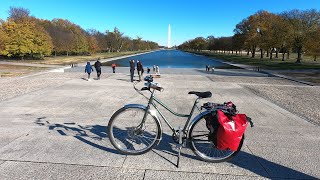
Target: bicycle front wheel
202, 144
129, 135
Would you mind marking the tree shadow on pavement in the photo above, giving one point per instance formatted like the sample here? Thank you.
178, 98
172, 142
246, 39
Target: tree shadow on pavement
90, 134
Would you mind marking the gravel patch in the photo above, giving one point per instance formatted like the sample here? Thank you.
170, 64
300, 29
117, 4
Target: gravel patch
16, 86
12, 87
301, 100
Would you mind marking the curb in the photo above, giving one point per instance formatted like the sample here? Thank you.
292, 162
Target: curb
249, 68
263, 72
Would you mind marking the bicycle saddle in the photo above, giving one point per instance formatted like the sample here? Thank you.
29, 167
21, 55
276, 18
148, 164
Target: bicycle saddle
206, 94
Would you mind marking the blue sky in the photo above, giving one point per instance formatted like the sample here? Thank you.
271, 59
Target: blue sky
149, 19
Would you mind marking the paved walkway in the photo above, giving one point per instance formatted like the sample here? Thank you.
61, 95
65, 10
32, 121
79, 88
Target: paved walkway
57, 129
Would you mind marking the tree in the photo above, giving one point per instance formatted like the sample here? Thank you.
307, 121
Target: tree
211, 41
313, 44
3, 37
67, 37
248, 30
25, 38
42, 42
62, 37
238, 42
18, 14
198, 44
127, 44
100, 38
303, 23
281, 35
114, 40
81, 45
23, 35
263, 25
93, 44
137, 43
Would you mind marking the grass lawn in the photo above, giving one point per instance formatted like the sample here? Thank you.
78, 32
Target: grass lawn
67, 60
14, 70
313, 77
266, 63
308, 70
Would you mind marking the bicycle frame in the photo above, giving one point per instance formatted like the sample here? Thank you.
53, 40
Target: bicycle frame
152, 101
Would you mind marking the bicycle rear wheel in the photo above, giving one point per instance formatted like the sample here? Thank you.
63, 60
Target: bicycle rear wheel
203, 146
128, 135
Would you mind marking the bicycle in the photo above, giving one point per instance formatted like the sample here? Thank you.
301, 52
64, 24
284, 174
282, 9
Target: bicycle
135, 129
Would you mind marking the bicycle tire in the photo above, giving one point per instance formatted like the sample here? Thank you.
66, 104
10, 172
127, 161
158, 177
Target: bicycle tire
126, 137
210, 153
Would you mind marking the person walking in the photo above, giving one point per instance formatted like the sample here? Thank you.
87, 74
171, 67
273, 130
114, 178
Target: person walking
154, 68
88, 69
140, 69
148, 70
131, 69
157, 69
97, 66
113, 67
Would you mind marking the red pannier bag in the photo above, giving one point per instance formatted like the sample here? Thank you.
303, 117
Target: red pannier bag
230, 131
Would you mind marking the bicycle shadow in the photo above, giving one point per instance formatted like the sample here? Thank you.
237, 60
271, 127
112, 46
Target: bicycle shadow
94, 133
91, 133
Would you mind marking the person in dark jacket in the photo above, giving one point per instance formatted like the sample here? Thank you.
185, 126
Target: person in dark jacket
88, 69
140, 69
97, 65
131, 69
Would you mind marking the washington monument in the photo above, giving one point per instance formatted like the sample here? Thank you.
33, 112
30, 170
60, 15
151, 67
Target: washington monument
169, 36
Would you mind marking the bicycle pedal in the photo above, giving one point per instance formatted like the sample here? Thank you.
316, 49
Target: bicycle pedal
184, 144
179, 146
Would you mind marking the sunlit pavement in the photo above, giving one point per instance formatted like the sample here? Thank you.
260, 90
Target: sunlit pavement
59, 131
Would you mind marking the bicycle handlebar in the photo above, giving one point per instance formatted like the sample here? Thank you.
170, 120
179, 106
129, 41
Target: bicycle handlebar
152, 85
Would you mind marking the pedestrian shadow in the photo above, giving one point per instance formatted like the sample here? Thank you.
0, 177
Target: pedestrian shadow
91, 134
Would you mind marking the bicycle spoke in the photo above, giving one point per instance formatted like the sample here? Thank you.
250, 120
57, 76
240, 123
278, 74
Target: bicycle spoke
149, 138
129, 135
203, 146
128, 144
120, 133
142, 140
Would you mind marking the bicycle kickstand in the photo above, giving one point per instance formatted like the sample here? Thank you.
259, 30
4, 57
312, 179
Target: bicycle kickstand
179, 146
